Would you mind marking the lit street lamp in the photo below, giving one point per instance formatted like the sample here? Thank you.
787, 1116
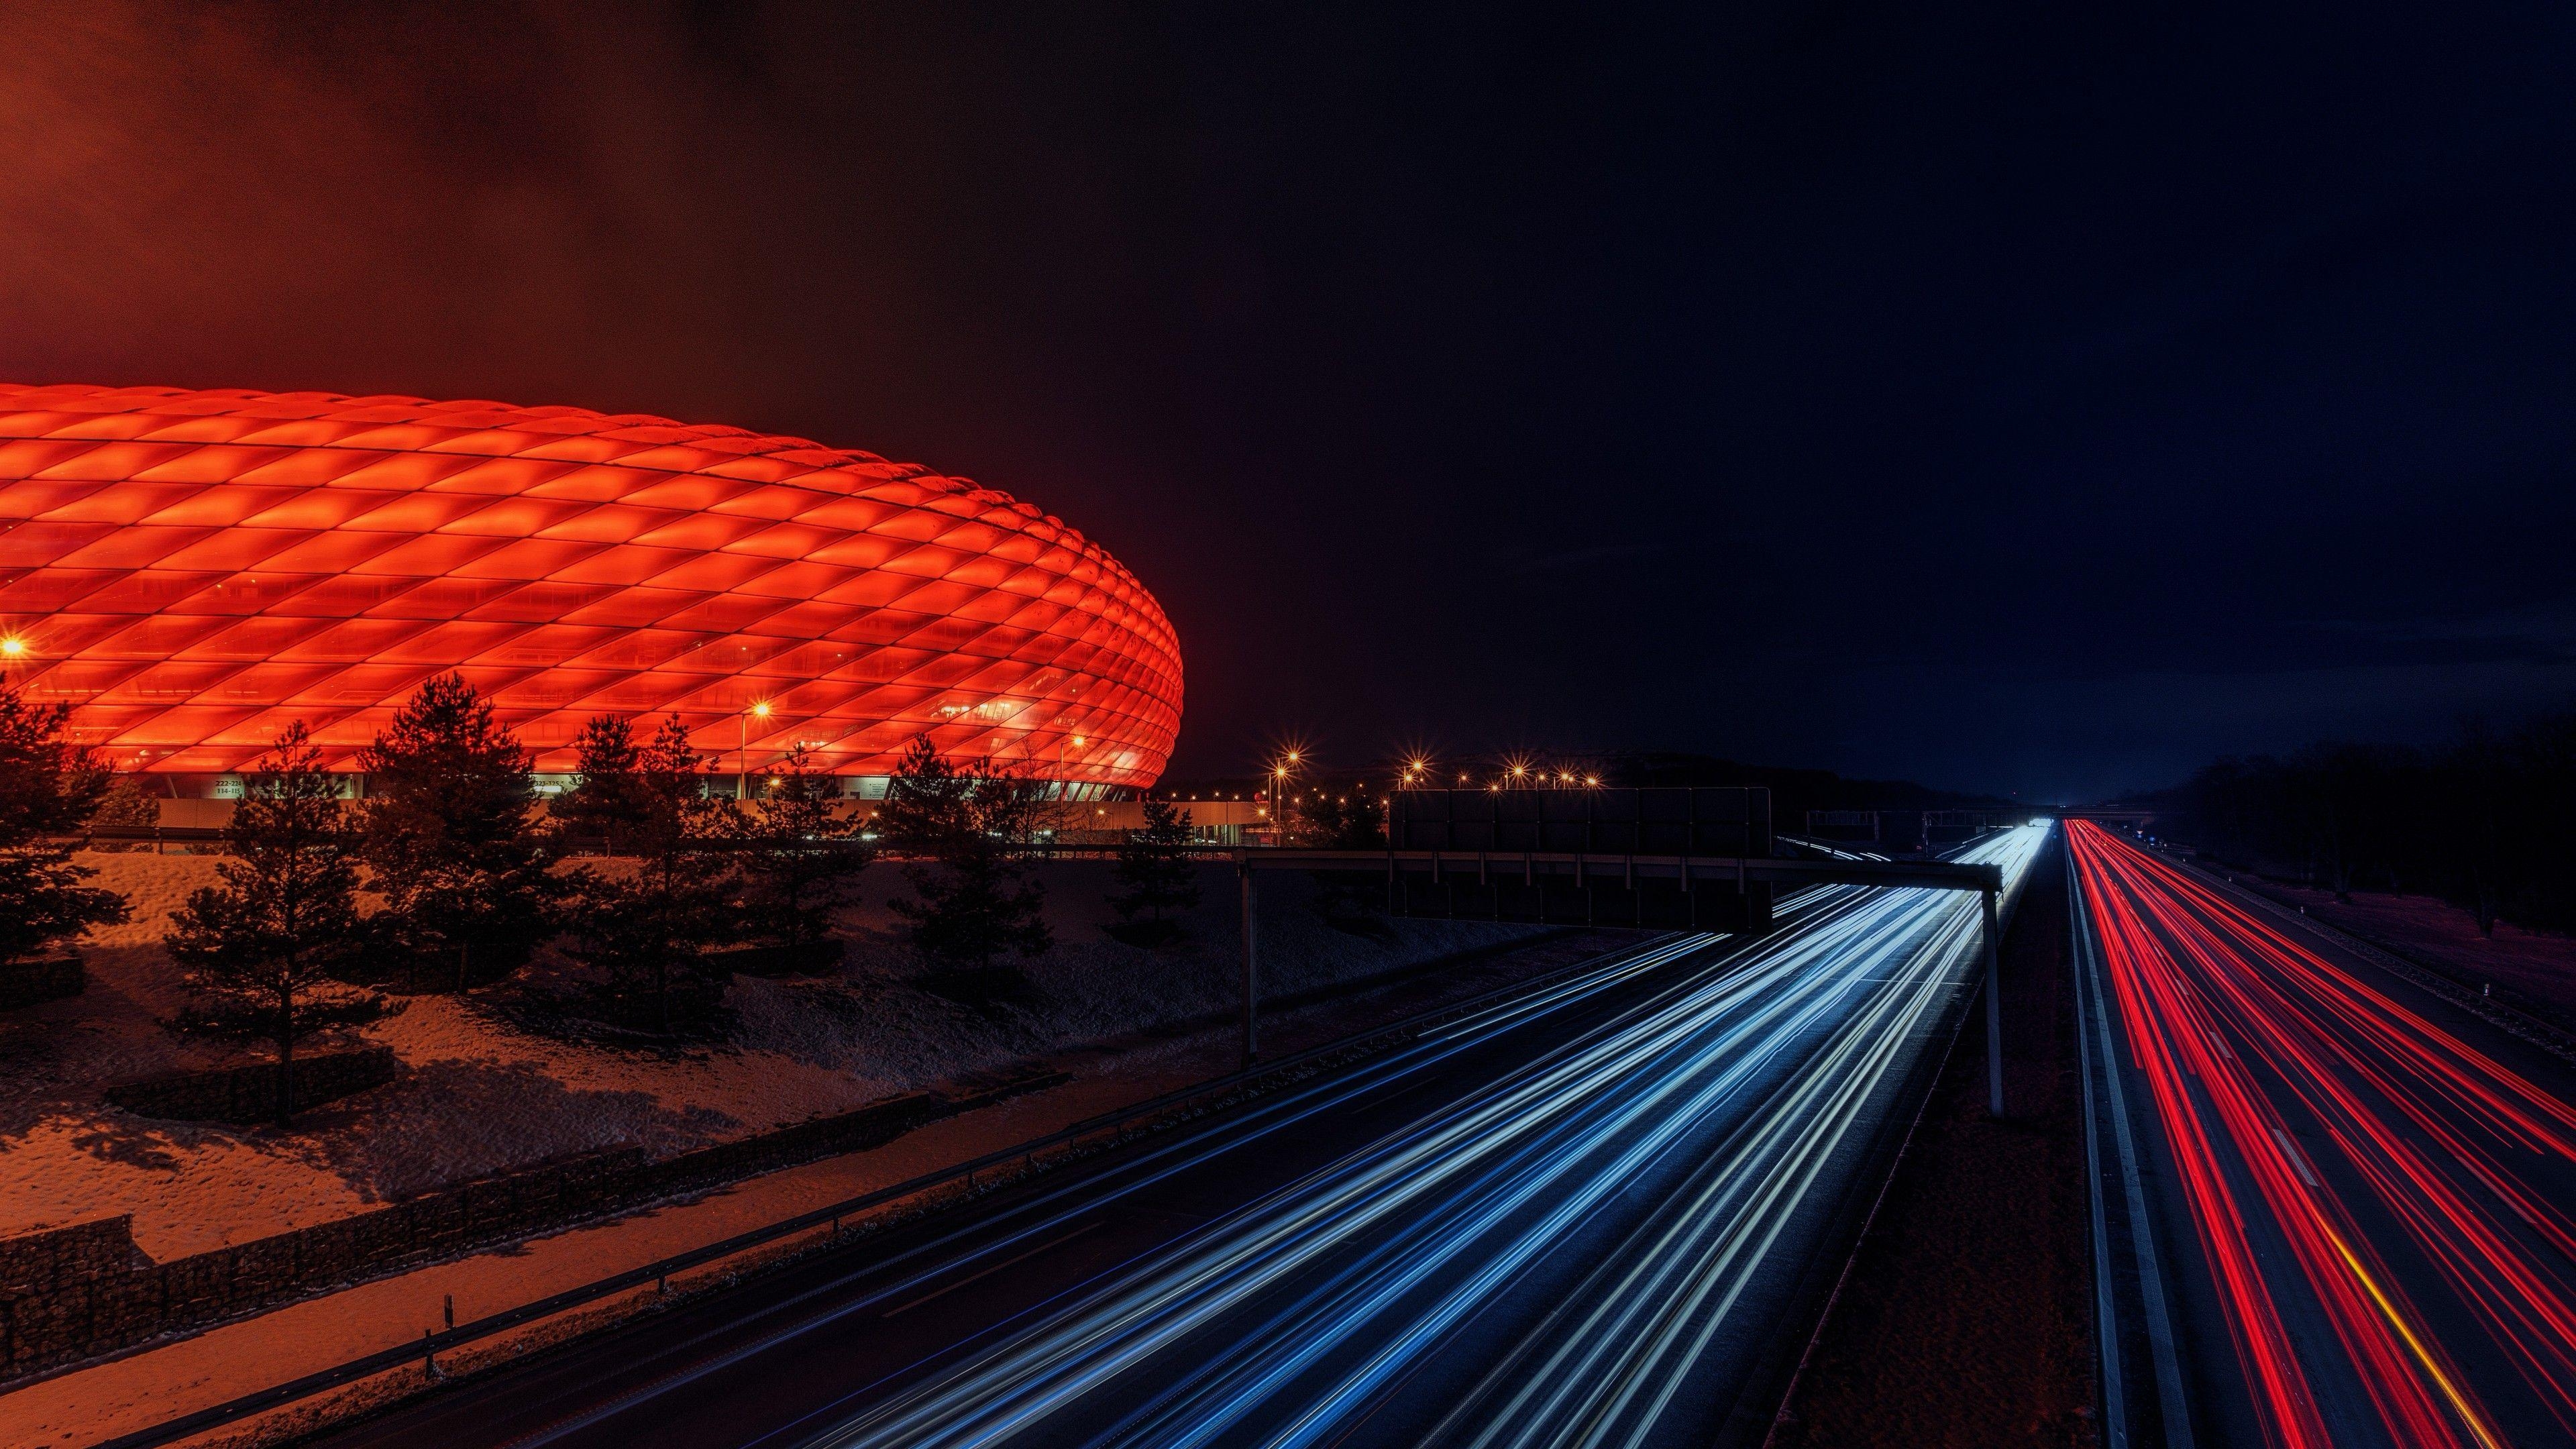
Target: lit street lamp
1279, 788
742, 752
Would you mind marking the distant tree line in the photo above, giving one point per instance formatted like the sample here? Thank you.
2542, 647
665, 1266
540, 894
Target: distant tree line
1341, 810
2487, 821
1793, 792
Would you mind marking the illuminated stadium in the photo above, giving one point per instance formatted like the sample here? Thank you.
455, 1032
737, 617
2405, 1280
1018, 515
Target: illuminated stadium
191, 571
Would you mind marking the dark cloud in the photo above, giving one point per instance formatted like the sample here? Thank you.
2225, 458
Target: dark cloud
2018, 397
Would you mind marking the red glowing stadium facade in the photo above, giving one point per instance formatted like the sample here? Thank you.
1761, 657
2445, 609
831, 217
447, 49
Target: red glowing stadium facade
193, 570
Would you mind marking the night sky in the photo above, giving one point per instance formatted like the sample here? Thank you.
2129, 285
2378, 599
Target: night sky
2010, 399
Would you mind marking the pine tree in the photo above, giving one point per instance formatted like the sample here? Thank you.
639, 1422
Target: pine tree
1352, 819
260, 949
648, 933
974, 899
1158, 878
128, 804
48, 787
974, 903
804, 854
927, 801
464, 865
612, 801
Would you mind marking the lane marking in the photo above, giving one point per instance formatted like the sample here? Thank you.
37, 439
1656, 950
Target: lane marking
2176, 1414
2106, 1323
2298, 1162
2459, 1402
989, 1272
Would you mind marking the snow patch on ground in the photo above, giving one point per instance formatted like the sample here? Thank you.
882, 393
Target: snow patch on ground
478, 1097
2538, 963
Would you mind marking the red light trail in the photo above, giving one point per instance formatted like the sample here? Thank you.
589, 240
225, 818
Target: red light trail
2379, 1204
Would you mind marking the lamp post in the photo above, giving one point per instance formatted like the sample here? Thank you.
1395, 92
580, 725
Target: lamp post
1279, 794
742, 751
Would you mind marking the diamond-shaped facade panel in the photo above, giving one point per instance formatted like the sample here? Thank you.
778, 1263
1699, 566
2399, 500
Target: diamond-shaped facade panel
192, 570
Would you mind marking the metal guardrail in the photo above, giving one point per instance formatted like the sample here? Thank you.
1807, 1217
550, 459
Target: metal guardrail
177, 834
1715, 869
433, 1344
1940, 875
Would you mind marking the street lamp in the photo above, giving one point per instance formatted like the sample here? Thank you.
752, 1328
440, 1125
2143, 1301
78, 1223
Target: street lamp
1279, 786
742, 790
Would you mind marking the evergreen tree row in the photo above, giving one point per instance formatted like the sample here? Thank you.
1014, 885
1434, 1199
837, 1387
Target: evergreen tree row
472, 877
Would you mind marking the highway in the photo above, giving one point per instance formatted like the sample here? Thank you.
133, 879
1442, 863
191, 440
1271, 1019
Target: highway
2355, 1196
1598, 1214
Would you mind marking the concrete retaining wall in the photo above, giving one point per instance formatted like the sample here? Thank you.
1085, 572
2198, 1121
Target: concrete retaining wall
24, 983
78, 1292
249, 1093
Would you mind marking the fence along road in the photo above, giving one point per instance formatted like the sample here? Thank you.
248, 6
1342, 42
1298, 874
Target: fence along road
1585, 1215
2361, 1191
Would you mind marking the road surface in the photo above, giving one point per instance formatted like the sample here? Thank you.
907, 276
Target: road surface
1595, 1215
2357, 1196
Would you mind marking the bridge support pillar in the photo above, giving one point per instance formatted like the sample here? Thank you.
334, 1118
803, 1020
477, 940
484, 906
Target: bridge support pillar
1994, 1009
1251, 966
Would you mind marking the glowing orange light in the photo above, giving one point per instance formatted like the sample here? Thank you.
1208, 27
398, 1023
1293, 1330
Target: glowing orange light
13, 646
569, 564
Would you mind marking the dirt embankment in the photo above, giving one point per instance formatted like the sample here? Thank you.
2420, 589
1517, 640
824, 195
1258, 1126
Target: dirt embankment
477, 1096
2539, 966
1963, 1322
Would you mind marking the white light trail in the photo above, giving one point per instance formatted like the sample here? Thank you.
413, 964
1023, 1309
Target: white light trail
1736, 1094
